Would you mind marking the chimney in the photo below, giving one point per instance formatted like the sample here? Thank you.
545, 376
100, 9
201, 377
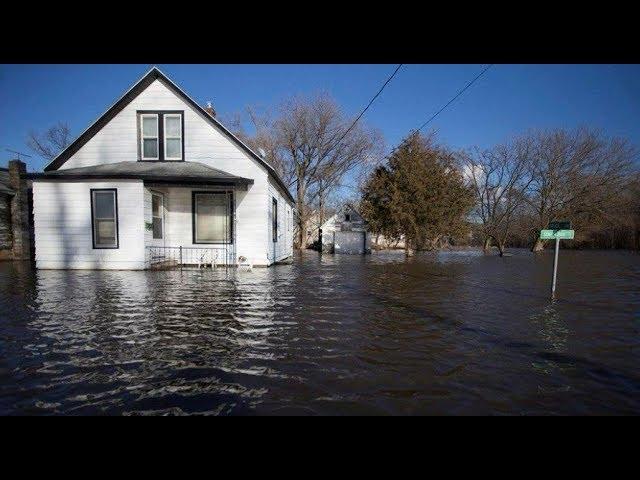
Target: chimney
209, 109
20, 211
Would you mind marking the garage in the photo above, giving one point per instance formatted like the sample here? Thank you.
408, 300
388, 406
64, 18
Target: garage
352, 243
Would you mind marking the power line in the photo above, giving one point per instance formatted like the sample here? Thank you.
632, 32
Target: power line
439, 111
370, 103
353, 124
454, 98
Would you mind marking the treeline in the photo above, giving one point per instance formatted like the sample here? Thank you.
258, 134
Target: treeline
431, 196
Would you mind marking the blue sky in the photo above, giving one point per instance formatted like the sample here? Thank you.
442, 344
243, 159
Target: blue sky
507, 100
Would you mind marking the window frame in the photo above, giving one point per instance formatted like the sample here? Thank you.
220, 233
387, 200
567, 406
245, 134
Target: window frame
92, 191
274, 219
230, 214
142, 137
166, 137
161, 114
161, 217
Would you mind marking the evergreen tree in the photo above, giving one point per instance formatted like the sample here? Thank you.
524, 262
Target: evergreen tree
419, 195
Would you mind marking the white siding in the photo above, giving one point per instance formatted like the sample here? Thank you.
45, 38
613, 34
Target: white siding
283, 248
62, 220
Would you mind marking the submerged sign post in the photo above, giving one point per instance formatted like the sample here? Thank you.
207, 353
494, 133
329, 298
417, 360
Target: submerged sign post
558, 231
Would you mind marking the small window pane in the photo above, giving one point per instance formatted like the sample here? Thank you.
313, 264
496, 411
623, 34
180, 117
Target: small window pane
106, 232
173, 126
104, 205
157, 227
156, 202
174, 148
150, 126
150, 147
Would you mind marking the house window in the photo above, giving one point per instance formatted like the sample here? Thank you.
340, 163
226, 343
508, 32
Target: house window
212, 217
274, 219
347, 217
173, 137
157, 214
149, 137
104, 217
161, 135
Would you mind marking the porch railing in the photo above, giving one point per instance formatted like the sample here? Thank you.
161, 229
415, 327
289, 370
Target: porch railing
190, 257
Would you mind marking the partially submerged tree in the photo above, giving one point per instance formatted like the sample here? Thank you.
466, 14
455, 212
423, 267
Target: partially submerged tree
420, 196
499, 179
575, 175
51, 142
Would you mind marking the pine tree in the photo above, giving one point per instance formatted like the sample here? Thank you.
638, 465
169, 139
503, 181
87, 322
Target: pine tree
420, 194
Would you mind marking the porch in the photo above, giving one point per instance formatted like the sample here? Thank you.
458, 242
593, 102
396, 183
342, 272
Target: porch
189, 226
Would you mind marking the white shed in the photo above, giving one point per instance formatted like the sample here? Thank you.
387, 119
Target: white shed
346, 232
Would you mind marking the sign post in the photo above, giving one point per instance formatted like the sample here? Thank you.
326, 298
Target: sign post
557, 231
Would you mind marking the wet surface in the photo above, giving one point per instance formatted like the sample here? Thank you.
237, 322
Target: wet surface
447, 333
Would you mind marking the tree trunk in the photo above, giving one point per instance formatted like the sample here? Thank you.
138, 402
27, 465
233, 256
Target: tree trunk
487, 244
408, 251
501, 247
302, 216
538, 246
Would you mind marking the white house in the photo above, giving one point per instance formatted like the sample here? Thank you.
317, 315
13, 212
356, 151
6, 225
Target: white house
158, 180
346, 232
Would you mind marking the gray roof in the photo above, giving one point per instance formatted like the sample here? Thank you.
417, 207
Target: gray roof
4, 182
162, 172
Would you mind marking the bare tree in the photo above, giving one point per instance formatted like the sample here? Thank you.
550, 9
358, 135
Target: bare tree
575, 175
51, 142
499, 179
310, 142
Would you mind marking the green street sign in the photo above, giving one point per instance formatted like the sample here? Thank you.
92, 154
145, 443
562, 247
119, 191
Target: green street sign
553, 234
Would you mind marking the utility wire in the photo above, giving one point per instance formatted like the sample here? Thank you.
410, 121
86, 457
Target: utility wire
454, 98
353, 124
369, 104
438, 112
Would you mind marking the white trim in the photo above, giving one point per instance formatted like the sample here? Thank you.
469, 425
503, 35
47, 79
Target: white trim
164, 121
143, 138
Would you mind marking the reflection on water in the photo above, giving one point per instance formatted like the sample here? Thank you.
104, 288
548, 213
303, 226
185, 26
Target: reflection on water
456, 333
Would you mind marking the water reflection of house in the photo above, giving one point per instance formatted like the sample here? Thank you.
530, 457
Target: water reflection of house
346, 232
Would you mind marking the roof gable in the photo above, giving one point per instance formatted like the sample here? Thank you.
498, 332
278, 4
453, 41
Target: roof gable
129, 96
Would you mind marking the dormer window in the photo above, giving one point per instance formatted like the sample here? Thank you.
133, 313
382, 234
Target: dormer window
161, 135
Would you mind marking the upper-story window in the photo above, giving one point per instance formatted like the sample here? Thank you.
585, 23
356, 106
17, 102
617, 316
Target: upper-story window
161, 135
149, 136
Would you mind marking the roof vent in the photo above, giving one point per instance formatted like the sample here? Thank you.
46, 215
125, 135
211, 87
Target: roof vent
262, 153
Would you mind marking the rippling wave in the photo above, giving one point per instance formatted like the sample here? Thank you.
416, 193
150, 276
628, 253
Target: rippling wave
453, 333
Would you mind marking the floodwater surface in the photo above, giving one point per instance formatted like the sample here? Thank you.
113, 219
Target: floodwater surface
447, 333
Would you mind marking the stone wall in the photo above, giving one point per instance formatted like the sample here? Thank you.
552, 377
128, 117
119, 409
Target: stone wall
6, 242
15, 231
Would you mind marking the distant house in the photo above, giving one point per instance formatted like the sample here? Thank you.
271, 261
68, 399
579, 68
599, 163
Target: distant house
346, 232
157, 180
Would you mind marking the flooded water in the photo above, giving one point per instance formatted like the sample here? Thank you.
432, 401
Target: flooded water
447, 333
